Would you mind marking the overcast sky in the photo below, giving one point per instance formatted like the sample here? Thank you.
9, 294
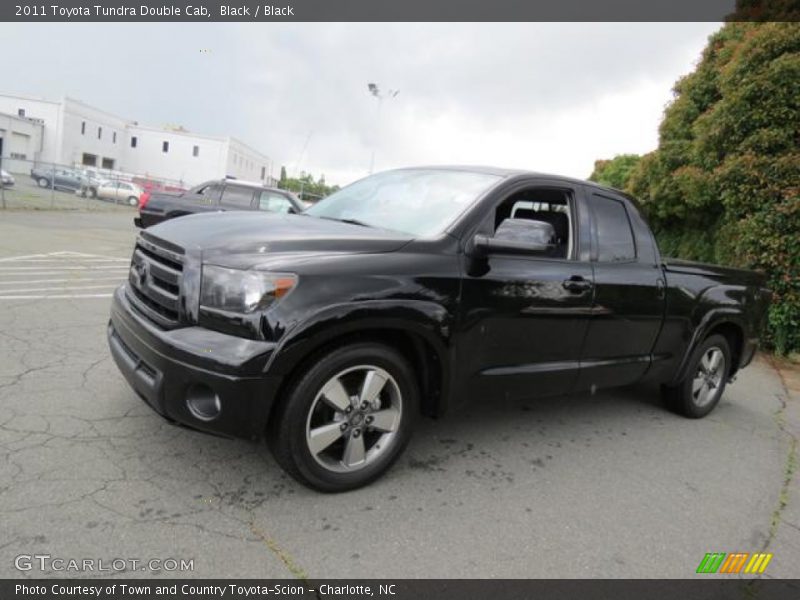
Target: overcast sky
545, 97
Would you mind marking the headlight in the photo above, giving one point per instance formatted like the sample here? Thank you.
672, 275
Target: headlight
237, 291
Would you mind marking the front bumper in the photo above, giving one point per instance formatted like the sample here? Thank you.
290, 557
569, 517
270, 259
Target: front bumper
166, 366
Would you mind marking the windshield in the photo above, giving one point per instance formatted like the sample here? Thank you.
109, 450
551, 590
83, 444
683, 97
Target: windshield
422, 202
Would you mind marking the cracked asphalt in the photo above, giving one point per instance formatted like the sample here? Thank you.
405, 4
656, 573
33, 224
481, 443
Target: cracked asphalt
609, 485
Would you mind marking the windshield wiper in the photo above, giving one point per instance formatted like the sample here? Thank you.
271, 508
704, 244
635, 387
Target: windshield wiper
351, 221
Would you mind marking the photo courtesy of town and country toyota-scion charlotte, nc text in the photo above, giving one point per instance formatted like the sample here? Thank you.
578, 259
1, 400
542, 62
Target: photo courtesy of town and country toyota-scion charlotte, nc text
147, 10
207, 591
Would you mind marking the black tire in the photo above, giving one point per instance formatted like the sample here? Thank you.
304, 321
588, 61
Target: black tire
92, 192
43, 182
685, 398
290, 438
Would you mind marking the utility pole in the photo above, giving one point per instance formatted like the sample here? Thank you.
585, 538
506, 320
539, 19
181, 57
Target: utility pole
376, 93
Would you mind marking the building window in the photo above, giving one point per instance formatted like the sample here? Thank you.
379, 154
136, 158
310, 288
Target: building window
83, 127
263, 172
99, 133
18, 156
114, 137
108, 163
20, 112
89, 160
133, 141
165, 147
196, 151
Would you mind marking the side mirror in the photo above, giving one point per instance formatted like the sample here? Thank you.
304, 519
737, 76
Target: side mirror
517, 236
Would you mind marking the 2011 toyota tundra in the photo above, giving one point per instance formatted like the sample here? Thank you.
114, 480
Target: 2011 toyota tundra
412, 291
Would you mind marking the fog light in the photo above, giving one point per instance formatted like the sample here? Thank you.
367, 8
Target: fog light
203, 403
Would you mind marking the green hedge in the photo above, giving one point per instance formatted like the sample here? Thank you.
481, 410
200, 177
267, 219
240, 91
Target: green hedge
724, 184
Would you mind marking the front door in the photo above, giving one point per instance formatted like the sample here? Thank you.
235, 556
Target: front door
524, 317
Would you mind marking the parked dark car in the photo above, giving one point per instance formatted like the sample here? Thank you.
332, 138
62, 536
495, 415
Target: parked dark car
58, 178
410, 292
214, 196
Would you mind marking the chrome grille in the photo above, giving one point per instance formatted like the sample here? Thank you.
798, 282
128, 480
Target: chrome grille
155, 279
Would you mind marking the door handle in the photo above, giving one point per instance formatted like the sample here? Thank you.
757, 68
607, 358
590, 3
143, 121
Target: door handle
576, 283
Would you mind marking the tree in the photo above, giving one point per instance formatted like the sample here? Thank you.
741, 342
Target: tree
306, 186
615, 172
724, 182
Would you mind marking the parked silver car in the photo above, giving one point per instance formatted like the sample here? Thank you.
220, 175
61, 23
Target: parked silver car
6, 178
119, 191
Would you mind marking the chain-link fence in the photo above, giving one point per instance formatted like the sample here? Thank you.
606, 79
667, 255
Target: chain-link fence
39, 185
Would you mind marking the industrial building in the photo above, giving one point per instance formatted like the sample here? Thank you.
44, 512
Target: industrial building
72, 133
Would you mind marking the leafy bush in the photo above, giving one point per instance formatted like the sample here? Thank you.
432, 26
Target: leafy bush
724, 183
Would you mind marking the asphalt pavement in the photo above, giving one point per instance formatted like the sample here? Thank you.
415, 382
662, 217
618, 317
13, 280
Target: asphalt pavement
604, 485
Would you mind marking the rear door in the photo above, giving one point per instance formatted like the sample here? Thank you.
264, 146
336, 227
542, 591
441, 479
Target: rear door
628, 303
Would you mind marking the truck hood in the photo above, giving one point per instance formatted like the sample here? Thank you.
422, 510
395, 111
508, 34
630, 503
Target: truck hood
246, 238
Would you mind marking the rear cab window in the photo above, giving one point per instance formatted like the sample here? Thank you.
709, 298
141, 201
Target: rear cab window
614, 235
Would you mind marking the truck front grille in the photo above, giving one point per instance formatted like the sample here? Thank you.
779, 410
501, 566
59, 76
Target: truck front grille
155, 280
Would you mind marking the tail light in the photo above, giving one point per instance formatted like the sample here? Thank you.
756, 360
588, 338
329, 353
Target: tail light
144, 199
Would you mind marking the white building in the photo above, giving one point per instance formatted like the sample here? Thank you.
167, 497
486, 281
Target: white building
74, 133
20, 141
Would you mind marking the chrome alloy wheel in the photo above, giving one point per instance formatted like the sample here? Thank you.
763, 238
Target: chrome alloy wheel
354, 418
709, 377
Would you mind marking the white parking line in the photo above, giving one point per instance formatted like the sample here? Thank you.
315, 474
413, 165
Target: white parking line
60, 275
76, 273
71, 268
56, 289
29, 261
68, 280
65, 256
45, 297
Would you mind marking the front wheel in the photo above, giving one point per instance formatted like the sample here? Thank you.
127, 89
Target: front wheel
133, 200
347, 418
699, 393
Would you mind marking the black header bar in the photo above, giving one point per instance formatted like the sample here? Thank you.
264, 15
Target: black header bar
389, 10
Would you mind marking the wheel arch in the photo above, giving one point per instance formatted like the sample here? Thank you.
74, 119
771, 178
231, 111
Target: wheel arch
415, 341
730, 325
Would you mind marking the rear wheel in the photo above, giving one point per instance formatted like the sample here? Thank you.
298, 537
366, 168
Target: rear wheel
347, 418
699, 393
43, 182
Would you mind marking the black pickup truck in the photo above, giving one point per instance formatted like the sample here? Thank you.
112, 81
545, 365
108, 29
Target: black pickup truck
410, 292
214, 196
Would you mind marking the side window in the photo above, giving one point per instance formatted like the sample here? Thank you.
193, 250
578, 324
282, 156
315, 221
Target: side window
272, 202
237, 197
614, 233
548, 206
210, 193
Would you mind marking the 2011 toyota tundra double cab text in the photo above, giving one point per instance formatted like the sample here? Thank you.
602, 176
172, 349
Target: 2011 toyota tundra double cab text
407, 293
